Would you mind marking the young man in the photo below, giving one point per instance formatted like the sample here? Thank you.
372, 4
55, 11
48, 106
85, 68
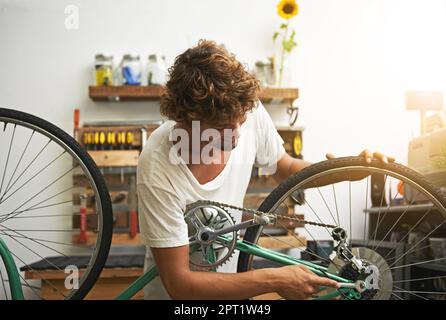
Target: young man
217, 130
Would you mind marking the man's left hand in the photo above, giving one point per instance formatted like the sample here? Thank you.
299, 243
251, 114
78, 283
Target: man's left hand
368, 156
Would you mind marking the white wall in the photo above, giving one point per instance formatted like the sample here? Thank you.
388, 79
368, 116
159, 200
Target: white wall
355, 59
354, 62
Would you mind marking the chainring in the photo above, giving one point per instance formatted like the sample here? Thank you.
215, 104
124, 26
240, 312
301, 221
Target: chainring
209, 254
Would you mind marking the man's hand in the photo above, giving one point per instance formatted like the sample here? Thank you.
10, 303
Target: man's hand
355, 176
300, 283
368, 156
291, 282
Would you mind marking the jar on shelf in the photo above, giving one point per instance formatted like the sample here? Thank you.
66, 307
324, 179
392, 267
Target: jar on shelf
264, 72
156, 70
103, 67
131, 70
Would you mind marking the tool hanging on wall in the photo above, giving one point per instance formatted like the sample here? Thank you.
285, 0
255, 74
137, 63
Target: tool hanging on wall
110, 140
133, 213
293, 112
83, 237
102, 140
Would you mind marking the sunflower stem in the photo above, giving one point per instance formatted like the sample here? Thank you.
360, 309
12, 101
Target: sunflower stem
282, 57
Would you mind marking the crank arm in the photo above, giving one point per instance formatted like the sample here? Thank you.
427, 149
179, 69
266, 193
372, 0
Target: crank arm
258, 220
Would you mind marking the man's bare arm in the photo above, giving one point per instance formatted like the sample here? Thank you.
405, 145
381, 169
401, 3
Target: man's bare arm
287, 166
291, 282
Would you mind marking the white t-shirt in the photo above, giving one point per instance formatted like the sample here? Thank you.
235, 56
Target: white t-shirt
166, 186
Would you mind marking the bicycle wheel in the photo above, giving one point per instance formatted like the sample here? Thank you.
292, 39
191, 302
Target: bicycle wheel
55, 210
397, 225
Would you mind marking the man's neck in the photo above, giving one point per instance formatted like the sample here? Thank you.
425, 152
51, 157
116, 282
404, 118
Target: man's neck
204, 170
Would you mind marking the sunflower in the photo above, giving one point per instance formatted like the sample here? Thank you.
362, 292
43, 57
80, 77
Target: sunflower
287, 9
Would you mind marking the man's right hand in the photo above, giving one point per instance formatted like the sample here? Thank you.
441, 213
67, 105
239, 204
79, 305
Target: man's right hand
298, 282
291, 282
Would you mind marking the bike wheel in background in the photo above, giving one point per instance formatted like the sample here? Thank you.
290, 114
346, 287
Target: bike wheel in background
59, 246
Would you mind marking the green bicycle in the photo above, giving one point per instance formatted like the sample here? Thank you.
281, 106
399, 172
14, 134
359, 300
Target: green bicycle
377, 243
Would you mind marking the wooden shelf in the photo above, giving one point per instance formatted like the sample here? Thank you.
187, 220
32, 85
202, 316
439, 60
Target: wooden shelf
115, 158
279, 93
129, 93
117, 93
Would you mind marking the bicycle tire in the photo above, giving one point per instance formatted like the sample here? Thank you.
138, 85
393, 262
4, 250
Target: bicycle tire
253, 233
107, 216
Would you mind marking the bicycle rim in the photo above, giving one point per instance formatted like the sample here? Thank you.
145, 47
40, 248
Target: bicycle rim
374, 232
59, 247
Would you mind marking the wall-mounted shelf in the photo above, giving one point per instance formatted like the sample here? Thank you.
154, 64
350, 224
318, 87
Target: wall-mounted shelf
129, 93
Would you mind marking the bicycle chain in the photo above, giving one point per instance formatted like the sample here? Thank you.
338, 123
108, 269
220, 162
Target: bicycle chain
261, 213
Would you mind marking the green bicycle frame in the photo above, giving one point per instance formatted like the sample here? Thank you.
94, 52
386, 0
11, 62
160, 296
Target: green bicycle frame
141, 282
256, 251
12, 271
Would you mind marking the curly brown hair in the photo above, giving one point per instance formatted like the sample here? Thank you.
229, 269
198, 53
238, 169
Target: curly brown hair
208, 83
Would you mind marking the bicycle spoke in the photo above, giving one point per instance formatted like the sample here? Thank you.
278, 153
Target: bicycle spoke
408, 232
325, 202
35, 241
7, 158
394, 258
393, 226
395, 295
317, 244
29, 165
416, 263
33, 288
414, 246
401, 290
33, 207
50, 215
379, 212
50, 241
38, 193
336, 204
23, 284
317, 216
16, 216
3, 283
311, 252
41, 257
47, 230
300, 241
424, 292
388, 210
350, 206
420, 279
365, 215
43, 279
329, 233
16, 167
35, 175
284, 241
